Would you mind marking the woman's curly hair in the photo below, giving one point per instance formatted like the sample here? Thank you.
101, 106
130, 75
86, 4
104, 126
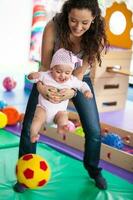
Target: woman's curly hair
94, 40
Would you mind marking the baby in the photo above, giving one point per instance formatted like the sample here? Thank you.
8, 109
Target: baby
59, 76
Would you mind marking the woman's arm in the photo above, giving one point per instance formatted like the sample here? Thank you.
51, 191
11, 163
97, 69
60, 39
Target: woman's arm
48, 40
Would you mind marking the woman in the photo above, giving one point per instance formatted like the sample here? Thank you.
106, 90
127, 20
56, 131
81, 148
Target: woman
78, 28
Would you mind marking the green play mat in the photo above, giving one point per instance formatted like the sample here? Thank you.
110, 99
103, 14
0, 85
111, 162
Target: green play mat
69, 180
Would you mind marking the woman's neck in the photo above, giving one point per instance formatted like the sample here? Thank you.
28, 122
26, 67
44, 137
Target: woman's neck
76, 47
74, 39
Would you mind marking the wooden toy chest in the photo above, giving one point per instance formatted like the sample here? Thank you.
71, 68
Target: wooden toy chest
112, 155
111, 87
120, 158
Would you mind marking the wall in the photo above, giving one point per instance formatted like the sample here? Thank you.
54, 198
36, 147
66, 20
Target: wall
15, 25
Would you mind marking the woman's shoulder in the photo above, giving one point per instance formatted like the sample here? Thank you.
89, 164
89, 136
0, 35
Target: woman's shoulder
49, 34
50, 26
52, 32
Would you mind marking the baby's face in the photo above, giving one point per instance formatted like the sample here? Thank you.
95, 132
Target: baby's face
61, 73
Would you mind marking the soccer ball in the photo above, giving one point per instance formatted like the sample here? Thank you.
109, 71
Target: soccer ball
32, 171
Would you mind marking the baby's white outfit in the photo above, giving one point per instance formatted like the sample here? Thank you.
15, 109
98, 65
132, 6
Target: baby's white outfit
51, 108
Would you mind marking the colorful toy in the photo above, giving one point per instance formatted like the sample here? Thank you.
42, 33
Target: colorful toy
74, 119
71, 126
9, 83
79, 131
12, 114
3, 120
3, 104
32, 171
113, 140
21, 117
38, 24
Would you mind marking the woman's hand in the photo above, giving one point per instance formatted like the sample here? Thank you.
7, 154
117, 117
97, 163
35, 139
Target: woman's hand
53, 94
67, 94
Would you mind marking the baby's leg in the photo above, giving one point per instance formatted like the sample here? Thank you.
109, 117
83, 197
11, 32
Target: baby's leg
37, 122
61, 119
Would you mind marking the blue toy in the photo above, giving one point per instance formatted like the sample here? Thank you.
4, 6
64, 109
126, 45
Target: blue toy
3, 104
113, 140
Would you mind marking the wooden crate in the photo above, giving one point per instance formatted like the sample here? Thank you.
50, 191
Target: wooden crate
112, 58
111, 102
112, 155
126, 135
117, 157
111, 88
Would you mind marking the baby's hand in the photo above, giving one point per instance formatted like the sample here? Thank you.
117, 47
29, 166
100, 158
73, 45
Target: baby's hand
88, 94
33, 75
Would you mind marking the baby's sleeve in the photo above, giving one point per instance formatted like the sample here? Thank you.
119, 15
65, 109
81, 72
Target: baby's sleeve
82, 86
37, 79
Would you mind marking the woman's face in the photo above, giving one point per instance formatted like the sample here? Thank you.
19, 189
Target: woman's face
79, 21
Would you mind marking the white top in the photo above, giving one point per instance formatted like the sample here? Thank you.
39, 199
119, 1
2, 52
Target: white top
52, 108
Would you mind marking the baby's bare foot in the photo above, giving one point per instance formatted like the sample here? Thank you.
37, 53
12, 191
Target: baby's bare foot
70, 127
34, 138
63, 129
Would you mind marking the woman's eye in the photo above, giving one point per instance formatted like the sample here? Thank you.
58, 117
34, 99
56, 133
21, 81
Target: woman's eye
85, 23
72, 20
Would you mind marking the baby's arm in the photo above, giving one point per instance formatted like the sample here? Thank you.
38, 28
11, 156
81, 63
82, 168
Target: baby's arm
88, 94
83, 87
33, 75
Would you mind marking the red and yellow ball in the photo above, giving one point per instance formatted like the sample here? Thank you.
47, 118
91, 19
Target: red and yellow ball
32, 171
